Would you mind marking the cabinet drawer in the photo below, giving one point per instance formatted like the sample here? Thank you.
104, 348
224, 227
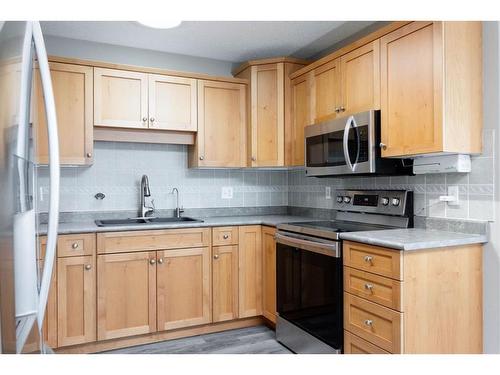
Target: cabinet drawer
379, 260
379, 325
120, 242
356, 345
69, 245
379, 289
224, 236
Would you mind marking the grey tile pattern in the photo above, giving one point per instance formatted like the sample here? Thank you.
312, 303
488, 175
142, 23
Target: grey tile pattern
253, 340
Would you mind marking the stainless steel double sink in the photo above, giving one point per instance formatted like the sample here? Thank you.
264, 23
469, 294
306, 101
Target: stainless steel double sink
146, 221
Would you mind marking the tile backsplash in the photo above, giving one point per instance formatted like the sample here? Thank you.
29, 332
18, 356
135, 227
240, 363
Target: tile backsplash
118, 168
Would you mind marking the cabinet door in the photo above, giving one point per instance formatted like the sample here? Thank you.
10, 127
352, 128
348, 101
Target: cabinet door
120, 98
76, 302
301, 116
411, 93
126, 294
49, 327
183, 288
250, 271
269, 273
360, 71
327, 90
73, 87
221, 125
225, 283
267, 116
172, 103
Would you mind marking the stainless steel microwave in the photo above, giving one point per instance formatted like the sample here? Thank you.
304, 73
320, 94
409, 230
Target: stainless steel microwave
349, 146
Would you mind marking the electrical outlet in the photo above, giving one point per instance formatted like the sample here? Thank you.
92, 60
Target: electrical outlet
328, 192
453, 192
227, 192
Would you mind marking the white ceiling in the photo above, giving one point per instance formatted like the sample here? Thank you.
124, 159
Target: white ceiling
223, 40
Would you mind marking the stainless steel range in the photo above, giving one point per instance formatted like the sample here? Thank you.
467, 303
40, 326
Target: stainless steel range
309, 266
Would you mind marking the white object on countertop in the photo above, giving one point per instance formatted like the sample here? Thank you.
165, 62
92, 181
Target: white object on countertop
442, 164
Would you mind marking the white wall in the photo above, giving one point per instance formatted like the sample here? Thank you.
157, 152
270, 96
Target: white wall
81, 49
491, 258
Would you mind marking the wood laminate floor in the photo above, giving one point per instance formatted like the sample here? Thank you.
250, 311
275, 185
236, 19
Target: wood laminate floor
252, 340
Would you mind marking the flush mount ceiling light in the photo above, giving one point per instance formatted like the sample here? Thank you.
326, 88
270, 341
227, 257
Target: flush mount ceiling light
156, 24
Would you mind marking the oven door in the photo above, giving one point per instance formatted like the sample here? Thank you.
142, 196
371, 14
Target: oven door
309, 286
341, 146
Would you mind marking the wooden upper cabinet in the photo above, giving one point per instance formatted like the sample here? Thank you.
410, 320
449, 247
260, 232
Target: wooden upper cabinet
73, 87
225, 283
250, 271
360, 83
120, 98
268, 109
183, 288
327, 91
172, 103
76, 300
269, 273
221, 138
431, 89
126, 294
301, 116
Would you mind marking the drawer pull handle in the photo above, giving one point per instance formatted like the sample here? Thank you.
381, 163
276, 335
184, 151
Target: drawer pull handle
88, 267
160, 261
216, 256
369, 322
369, 287
368, 259
74, 245
226, 236
152, 261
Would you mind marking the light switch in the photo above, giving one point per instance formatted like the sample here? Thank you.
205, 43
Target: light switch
227, 192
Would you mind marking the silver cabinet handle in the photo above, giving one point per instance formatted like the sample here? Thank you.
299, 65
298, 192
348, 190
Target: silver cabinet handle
369, 287
89, 154
369, 322
216, 256
152, 119
201, 157
144, 119
342, 109
152, 261
88, 267
74, 245
226, 236
337, 109
160, 261
368, 259
383, 146
254, 158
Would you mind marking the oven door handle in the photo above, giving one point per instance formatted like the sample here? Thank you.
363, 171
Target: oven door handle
347, 127
331, 249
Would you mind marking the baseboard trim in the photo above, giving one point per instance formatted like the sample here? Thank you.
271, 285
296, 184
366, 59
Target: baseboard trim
101, 346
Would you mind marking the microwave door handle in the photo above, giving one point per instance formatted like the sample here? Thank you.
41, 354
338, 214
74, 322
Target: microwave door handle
50, 112
346, 142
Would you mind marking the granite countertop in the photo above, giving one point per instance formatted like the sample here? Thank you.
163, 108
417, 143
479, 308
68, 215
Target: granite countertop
414, 238
219, 221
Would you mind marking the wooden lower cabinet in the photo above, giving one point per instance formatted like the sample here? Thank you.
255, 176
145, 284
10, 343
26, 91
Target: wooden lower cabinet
126, 294
225, 283
76, 302
356, 345
183, 288
250, 271
269, 273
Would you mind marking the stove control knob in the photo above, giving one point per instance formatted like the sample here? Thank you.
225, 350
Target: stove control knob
340, 199
395, 201
347, 199
385, 201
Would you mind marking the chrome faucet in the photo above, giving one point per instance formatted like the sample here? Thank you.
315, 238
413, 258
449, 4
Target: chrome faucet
145, 192
178, 211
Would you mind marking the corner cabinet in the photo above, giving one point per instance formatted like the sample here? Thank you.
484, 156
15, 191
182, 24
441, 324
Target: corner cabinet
268, 109
250, 271
73, 90
431, 89
221, 138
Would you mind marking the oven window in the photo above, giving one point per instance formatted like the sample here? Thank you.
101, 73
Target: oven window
309, 292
